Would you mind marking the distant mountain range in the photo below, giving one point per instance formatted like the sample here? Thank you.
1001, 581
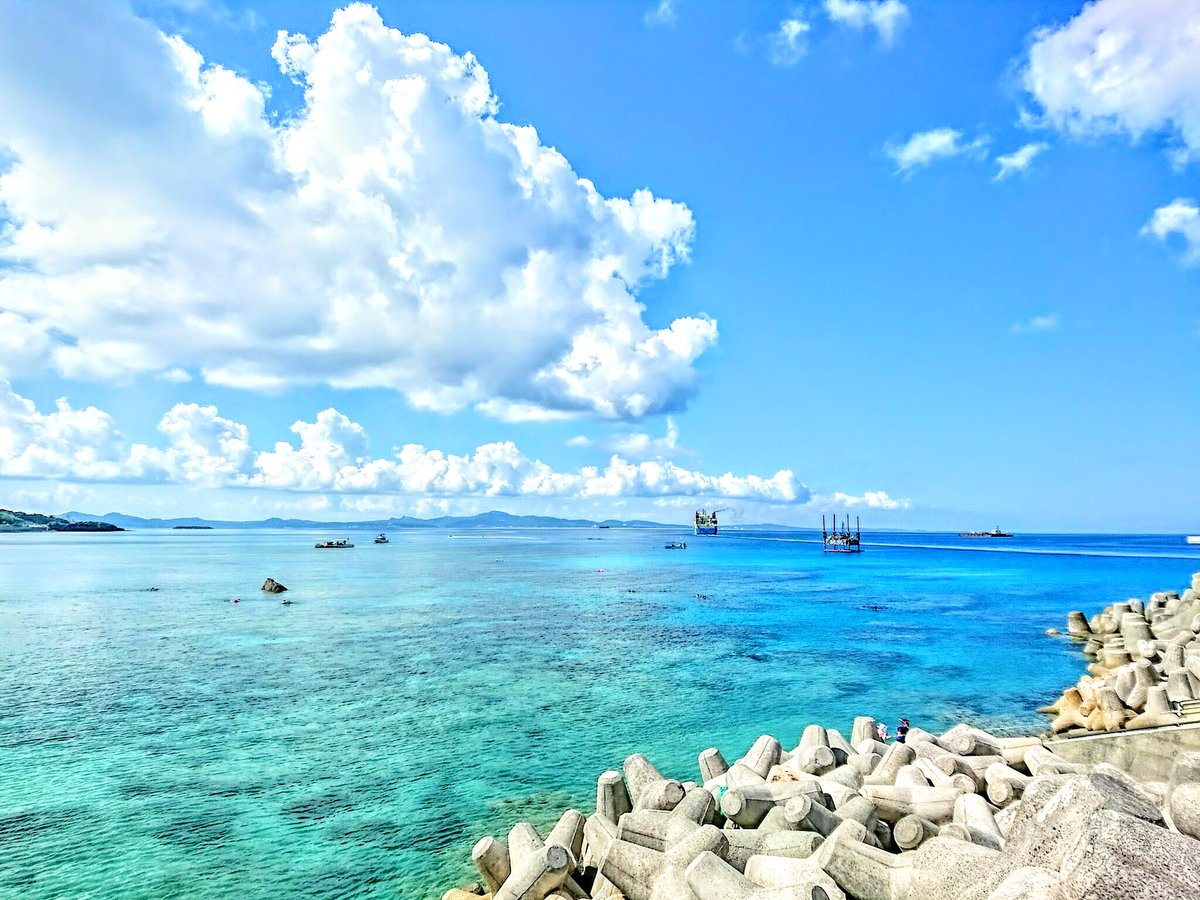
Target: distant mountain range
493, 519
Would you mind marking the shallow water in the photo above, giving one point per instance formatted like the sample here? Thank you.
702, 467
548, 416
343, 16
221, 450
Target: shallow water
418, 695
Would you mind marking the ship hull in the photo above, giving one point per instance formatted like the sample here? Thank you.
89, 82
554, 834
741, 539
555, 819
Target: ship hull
702, 530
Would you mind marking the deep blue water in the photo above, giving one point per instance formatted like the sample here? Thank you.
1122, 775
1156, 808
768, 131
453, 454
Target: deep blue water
418, 695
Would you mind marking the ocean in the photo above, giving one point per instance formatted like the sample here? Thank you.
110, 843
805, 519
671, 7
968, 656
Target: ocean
157, 740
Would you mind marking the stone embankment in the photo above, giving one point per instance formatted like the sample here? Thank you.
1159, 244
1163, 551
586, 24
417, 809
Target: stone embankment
1146, 665
965, 815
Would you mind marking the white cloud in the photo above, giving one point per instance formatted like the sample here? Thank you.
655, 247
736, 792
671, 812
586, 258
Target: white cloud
175, 376
870, 500
1018, 161
1048, 322
635, 444
394, 233
204, 448
331, 456
662, 14
1181, 216
1128, 66
926, 147
787, 45
69, 444
887, 17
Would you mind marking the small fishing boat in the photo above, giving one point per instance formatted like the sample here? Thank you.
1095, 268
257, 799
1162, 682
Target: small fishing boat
341, 544
381, 539
676, 545
286, 602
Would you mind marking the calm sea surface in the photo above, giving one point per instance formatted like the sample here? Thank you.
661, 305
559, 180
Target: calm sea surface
418, 695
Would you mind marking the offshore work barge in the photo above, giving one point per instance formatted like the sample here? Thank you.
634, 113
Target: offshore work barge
844, 540
706, 522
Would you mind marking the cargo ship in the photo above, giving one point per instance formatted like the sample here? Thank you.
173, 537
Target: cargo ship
995, 532
706, 522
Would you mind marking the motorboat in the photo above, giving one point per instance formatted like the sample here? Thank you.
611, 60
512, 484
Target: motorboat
676, 545
341, 544
381, 539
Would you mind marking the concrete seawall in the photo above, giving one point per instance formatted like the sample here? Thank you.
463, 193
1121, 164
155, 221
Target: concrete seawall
1147, 755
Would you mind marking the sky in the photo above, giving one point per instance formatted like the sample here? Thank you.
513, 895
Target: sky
932, 264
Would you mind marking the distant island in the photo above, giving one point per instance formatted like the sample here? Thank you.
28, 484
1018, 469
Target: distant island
12, 520
493, 519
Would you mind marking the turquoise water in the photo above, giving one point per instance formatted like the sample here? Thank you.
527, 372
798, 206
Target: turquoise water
418, 695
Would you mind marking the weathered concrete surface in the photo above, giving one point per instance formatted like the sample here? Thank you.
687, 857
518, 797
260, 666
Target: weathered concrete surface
1147, 754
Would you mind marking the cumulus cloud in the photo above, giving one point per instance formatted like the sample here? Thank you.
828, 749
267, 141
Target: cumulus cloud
1018, 161
787, 45
870, 500
395, 232
68, 444
887, 17
662, 14
1181, 216
635, 444
330, 455
926, 147
1048, 322
1129, 66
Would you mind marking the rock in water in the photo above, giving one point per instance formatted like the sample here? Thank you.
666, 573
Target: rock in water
271, 586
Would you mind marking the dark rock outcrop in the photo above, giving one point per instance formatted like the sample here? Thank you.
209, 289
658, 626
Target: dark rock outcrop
271, 586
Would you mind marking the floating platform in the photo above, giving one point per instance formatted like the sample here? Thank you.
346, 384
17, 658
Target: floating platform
841, 540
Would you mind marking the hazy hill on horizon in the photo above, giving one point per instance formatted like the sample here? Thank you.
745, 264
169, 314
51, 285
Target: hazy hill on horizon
492, 519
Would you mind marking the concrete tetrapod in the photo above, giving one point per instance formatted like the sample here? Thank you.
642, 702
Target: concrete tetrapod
745, 843
641, 873
897, 755
749, 805
661, 830
612, 797
912, 831
1004, 783
894, 803
861, 871
712, 879
967, 741
762, 756
537, 874
712, 764
491, 861
647, 786
568, 832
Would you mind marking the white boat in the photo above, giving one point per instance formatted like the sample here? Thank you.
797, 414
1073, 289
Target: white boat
1193, 539
341, 544
381, 539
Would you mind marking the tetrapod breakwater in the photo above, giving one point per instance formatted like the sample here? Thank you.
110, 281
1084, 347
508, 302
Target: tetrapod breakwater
962, 815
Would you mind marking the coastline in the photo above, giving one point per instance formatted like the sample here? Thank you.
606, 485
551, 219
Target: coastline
964, 814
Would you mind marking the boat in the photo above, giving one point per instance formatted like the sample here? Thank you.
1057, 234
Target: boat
706, 522
843, 540
1193, 538
341, 544
995, 532
675, 545
381, 539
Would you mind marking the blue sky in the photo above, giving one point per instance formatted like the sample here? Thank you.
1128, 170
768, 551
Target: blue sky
935, 264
